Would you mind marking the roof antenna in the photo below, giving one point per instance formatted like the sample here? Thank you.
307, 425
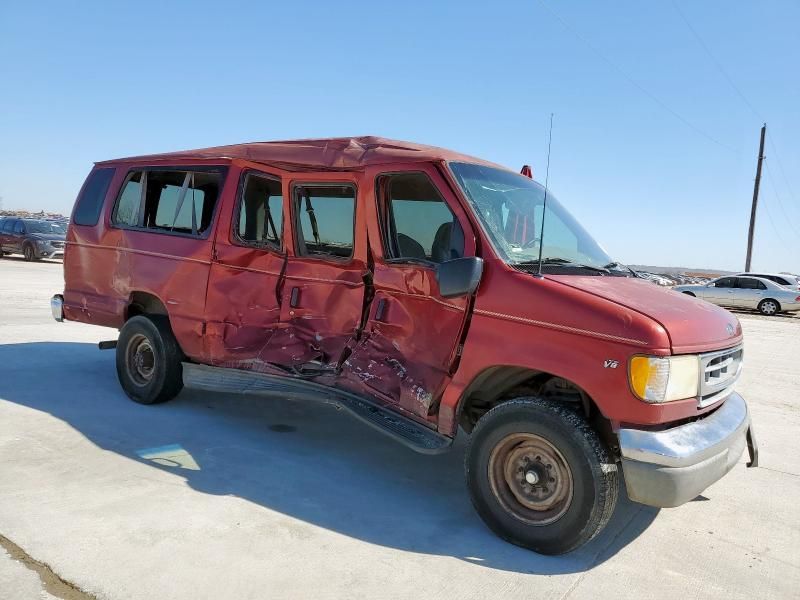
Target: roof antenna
544, 204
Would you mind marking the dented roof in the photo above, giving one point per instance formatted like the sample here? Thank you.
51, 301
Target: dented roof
345, 153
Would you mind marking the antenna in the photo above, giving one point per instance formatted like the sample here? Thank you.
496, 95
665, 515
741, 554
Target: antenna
544, 204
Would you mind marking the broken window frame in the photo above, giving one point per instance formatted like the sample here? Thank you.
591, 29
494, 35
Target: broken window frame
297, 207
220, 170
240, 193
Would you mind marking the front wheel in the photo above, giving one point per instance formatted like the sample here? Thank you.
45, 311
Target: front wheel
149, 359
769, 307
539, 475
29, 253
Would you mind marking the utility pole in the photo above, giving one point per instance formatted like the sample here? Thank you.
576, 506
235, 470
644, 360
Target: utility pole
755, 200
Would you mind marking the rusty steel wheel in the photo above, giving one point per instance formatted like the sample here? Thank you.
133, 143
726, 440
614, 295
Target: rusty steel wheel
149, 359
140, 359
530, 478
539, 475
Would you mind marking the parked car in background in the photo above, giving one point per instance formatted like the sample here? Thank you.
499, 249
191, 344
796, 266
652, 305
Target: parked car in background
765, 295
419, 290
784, 279
33, 238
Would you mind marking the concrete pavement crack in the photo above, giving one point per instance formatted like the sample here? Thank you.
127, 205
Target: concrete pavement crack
599, 554
779, 471
52, 583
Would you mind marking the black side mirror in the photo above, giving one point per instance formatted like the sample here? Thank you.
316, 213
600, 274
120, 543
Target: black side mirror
459, 277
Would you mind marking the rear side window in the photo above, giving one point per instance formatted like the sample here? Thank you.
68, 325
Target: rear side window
8, 225
748, 283
325, 223
126, 211
169, 201
416, 222
19, 227
90, 203
260, 212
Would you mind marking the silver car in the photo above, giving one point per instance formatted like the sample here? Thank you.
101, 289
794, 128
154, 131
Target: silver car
746, 292
785, 279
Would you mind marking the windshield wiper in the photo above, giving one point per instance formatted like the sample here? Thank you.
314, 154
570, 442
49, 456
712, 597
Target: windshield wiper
620, 267
564, 262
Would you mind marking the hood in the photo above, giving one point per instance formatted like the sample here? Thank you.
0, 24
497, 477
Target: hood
693, 325
53, 237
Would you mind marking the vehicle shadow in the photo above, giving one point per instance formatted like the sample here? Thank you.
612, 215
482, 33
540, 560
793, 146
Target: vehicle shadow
305, 460
755, 313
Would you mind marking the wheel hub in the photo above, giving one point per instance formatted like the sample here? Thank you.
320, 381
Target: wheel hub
530, 478
140, 360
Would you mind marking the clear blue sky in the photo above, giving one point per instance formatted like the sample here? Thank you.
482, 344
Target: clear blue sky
87, 81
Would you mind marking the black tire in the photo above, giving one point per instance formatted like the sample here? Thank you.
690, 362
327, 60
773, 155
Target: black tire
690, 294
769, 307
592, 475
149, 360
29, 253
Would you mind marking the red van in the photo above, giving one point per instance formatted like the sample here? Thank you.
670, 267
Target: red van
421, 290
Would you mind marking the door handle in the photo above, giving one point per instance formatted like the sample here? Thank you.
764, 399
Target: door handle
294, 298
380, 310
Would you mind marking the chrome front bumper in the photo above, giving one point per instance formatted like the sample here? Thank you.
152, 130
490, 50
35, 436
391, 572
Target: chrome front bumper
670, 467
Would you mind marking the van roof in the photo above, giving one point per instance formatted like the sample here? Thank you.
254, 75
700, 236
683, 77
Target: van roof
344, 153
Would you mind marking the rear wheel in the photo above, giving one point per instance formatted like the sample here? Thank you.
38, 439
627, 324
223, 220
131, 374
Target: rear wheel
149, 359
539, 475
769, 307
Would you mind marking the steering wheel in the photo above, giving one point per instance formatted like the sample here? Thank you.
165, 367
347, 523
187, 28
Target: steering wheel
531, 243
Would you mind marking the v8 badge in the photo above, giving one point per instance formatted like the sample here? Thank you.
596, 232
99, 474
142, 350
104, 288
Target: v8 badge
610, 364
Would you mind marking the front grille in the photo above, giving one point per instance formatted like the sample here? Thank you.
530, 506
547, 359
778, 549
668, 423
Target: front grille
718, 372
57, 244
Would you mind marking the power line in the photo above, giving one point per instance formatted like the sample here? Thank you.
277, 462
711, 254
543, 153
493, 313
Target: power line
771, 222
634, 83
713, 58
778, 197
780, 165
742, 97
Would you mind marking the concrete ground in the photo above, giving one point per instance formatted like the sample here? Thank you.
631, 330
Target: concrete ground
224, 497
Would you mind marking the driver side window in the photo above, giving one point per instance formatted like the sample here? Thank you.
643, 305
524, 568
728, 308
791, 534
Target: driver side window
727, 282
416, 223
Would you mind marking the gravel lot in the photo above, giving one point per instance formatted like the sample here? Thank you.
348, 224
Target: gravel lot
223, 497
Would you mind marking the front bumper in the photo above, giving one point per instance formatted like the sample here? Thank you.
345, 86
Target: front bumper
670, 467
57, 307
50, 252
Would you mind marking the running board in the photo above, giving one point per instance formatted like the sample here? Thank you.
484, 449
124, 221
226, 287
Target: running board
404, 430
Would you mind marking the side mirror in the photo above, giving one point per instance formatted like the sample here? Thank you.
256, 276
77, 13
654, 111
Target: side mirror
459, 277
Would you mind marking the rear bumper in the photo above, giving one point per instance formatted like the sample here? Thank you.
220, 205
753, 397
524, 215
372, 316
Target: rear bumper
670, 467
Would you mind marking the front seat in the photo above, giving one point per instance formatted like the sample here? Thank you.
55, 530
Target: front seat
409, 247
448, 243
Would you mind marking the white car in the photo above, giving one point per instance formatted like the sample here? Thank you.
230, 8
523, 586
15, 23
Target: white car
746, 292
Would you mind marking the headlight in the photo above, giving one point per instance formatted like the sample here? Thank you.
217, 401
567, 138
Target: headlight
42, 243
664, 379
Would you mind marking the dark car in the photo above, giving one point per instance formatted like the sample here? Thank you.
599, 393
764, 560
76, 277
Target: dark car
33, 238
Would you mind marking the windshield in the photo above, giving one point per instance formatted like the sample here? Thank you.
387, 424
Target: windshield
51, 227
510, 208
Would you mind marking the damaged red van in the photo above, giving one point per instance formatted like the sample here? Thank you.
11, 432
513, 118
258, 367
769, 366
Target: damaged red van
423, 291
